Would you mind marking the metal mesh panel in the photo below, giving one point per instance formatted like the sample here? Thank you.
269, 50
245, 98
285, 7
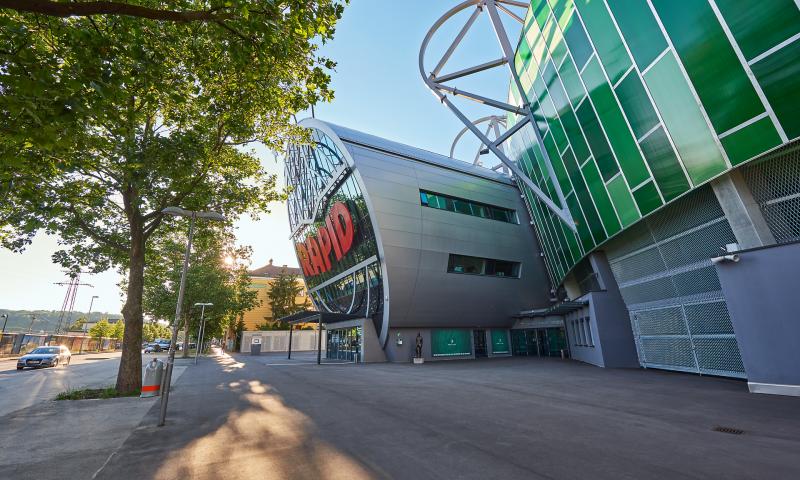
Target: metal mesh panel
678, 314
719, 355
663, 321
775, 184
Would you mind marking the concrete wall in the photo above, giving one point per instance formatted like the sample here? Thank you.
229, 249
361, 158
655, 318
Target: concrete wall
278, 340
761, 291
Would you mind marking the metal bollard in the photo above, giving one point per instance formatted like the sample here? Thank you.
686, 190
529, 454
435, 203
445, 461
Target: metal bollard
151, 382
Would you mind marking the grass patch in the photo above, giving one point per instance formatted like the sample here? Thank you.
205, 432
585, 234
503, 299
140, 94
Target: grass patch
93, 393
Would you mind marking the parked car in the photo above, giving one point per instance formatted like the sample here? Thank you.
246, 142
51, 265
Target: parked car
164, 344
45, 357
152, 348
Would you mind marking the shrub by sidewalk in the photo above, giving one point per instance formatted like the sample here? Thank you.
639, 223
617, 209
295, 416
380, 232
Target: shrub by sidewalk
93, 393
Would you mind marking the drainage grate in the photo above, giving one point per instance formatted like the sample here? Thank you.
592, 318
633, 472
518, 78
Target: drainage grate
730, 430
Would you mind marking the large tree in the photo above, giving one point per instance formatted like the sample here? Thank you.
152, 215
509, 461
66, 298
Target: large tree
283, 293
112, 111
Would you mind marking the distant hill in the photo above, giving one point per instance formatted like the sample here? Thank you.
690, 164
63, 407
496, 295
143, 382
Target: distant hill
46, 320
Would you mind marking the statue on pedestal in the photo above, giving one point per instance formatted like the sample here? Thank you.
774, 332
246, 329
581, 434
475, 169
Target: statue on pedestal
418, 347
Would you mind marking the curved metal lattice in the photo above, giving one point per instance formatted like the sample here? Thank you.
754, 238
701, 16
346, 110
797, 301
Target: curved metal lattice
440, 85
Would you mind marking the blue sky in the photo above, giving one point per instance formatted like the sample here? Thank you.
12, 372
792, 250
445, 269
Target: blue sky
378, 90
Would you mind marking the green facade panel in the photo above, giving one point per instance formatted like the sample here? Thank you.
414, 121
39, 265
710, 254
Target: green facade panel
779, 76
500, 343
711, 63
684, 120
758, 25
450, 342
640, 101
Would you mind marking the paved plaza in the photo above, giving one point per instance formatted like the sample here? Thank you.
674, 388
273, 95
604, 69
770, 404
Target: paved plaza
267, 417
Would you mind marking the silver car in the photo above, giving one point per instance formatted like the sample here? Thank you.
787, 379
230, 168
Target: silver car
45, 357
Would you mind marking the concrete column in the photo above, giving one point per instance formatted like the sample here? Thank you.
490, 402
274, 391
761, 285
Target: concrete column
742, 211
572, 287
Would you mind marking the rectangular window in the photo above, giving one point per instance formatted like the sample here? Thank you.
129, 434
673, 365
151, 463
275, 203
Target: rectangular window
467, 207
482, 266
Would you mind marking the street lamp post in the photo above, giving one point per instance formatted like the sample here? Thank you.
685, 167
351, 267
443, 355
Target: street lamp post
192, 215
88, 319
5, 321
33, 319
202, 327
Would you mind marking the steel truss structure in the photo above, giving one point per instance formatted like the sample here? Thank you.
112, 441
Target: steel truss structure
494, 125
438, 84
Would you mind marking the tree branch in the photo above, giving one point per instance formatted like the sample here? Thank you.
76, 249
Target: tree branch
86, 9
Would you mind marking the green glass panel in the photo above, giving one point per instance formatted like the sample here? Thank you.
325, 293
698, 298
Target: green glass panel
578, 42
558, 166
555, 42
641, 32
541, 10
450, 342
611, 117
572, 83
605, 38
582, 192
600, 196
716, 73
580, 223
562, 9
500, 341
636, 104
779, 76
758, 25
523, 56
623, 200
575, 136
647, 198
750, 141
557, 93
597, 141
664, 164
684, 121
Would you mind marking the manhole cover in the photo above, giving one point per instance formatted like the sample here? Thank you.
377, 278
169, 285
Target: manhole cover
729, 430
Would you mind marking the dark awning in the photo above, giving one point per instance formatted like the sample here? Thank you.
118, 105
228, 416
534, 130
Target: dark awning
312, 316
562, 308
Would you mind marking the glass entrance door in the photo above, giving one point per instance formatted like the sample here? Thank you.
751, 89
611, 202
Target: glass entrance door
479, 340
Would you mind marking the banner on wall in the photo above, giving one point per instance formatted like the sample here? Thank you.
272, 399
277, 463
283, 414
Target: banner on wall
450, 342
499, 341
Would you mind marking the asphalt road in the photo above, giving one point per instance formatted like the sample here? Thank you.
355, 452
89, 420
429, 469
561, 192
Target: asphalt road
23, 388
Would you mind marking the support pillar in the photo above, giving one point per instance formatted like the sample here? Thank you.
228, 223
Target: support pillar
742, 211
291, 329
319, 339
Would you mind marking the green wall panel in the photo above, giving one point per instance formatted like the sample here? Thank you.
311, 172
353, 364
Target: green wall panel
748, 142
572, 83
605, 38
779, 76
597, 141
699, 90
640, 30
709, 59
664, 164
616, 127
598, 191
578, 42
647, 198
758, 25
623, 201
683, 119
450, 342
636, 105
500, 341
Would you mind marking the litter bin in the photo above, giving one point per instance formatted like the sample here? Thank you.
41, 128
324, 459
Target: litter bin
151, 382
255, 346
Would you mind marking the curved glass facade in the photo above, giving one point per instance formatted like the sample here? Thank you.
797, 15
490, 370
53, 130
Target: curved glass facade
640, 102
332, 231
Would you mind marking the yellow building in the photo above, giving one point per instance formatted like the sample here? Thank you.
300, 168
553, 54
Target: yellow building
261, 280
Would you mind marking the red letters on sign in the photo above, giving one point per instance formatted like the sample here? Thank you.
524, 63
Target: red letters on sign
335, 236
302, 254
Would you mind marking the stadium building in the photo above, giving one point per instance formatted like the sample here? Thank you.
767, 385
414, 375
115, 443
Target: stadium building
654, 145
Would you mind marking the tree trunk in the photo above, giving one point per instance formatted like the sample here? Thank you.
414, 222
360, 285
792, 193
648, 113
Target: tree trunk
185, 336
129, 377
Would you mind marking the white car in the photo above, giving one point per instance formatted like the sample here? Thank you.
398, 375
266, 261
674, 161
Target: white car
45, 357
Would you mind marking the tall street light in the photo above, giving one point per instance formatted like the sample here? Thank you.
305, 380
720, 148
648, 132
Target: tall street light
5, 320
33, 319
192, 215
91, 304
202, 327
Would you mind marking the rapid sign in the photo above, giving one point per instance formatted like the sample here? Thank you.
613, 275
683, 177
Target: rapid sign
336, 237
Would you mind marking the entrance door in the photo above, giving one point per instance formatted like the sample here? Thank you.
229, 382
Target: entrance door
479, 339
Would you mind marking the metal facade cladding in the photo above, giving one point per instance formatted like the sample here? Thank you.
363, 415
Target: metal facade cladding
642, 101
